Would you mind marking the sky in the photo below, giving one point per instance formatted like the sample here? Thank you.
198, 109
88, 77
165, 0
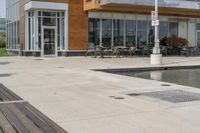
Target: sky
3, 8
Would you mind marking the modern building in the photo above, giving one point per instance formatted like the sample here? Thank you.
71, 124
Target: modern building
69, 27
2, 25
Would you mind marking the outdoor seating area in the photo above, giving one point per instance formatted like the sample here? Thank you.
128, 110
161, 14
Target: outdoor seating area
124, 51
169, 46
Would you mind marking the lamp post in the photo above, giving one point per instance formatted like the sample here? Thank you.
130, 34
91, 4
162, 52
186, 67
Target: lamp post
156, 57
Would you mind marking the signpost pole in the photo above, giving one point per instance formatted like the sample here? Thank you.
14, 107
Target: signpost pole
156, 57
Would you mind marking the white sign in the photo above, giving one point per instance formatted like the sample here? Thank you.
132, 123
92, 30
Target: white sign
154, 15
155, 23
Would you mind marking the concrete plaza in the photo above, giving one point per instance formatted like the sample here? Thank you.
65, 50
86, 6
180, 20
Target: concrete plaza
68, 91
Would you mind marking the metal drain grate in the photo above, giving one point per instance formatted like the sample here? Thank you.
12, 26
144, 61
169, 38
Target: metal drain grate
173, 96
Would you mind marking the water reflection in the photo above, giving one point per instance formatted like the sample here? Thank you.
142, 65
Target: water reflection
188, 77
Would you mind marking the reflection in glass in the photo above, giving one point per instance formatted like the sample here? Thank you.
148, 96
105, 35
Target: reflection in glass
49, 21
173, 29
49, 41
118, 31
163, 30
130, 32
141, 33
151, 34
106, 32
94, 31
191, 33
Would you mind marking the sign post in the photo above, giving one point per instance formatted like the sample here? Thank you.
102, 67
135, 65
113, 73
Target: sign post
156, 57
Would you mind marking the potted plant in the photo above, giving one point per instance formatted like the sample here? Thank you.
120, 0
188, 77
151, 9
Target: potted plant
177, 44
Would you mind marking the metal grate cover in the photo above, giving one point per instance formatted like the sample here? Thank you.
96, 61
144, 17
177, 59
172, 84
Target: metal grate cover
173, 96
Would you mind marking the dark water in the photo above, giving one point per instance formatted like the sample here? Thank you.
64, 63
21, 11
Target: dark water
187, 77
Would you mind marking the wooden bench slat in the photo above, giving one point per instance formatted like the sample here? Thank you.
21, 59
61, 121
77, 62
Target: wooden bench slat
45, 118
11, 95
23, 118
5, 125
36, 120
14, 121
3, 97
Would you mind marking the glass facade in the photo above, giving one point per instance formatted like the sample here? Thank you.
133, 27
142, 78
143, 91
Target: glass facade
2, 25
38, 23
12, 24
136, 30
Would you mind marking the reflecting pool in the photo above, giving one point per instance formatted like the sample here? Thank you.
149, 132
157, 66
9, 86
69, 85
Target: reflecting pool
187, 77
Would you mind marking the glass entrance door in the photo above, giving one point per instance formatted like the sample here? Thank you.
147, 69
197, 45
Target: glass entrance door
49, 41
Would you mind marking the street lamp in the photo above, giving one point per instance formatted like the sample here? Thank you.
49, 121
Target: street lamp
156, 57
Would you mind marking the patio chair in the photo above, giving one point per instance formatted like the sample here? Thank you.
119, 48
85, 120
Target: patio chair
90, 49
184, 51
116, 52
132, 50
99, 50
145, 51
194, 51
163, 50
107, 51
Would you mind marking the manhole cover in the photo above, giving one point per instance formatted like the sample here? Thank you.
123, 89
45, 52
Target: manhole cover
60, 67
173, 96
39, 59
119, 98
165, 85
134, 94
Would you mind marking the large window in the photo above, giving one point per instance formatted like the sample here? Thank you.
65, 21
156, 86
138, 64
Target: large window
118, 32
151, 34
163, 30
141, 33
173, 29
94, 32
191, 33
183, 29
130, 33
106, 32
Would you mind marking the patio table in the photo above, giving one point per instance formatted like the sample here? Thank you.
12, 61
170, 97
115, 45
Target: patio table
100, 50
121, 49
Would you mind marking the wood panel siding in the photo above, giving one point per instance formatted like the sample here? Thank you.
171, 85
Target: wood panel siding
78, 24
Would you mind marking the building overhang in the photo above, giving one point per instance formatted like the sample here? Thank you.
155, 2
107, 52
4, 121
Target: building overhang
45, 6
179, 4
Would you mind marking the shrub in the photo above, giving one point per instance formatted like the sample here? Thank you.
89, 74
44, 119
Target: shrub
2, 42
177, 42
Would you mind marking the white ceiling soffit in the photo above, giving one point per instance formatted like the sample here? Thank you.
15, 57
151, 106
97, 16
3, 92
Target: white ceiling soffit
185, 4
46, 5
